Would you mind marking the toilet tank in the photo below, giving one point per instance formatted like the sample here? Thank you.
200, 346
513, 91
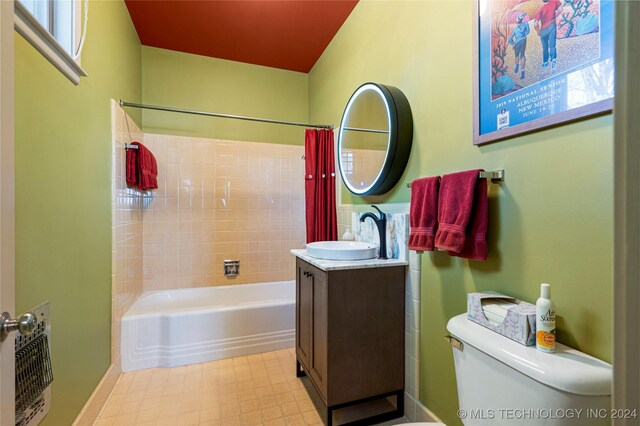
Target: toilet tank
503, 382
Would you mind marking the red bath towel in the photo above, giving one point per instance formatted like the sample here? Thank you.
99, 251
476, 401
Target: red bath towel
455, 206
423, 213
146, 167
475, 242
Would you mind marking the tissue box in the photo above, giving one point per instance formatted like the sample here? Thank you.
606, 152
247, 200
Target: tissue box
519, 323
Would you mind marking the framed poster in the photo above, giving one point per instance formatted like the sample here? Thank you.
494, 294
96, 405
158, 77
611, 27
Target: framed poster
539, 63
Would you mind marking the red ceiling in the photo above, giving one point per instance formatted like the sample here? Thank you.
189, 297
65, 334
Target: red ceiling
281, 34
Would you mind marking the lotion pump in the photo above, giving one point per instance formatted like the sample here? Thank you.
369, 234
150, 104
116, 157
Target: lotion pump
545, 321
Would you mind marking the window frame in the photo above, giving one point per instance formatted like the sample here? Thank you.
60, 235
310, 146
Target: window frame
44, 42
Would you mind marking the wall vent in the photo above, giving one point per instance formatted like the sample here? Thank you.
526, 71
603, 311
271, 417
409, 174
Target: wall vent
33, 370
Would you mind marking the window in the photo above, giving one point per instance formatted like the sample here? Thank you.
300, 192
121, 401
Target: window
53, 27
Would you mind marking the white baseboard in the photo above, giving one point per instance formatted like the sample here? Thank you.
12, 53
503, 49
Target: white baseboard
91, 410
416, 412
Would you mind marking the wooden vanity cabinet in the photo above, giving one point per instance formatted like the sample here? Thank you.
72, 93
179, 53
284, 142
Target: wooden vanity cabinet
350, 333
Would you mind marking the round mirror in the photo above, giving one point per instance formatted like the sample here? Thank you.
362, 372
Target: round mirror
375, 138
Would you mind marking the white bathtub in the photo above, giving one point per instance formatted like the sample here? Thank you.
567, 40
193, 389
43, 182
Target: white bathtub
187, 326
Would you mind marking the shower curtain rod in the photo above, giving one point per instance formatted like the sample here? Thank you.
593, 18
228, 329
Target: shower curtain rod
215, 114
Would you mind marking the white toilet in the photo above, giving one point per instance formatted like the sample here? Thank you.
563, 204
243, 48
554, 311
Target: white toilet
503, 382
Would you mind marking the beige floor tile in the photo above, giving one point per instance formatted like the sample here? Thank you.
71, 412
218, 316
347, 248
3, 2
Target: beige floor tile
283, 398
254, 358
268, 355
154, 392
108, 421
167, 421
210, 423
173, 389
169, 410
301, 395
278, 379
246, 394
151, 403
111, 410
117, 399
231, 421
312, 418
147, 423
189, 419
268, 401
252, 390
280, 388
147, 415
296, 420
189, 406
306, 405
130, 407
210, 401
125, 419
263, 391
261, 381
259, 372
290, 409
230, 410
271, 413
240, 360
209, 414
251, 419
250, 406
134, 396
137, 386
228, 397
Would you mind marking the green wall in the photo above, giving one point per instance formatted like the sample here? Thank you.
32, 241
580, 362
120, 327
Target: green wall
63, 197
551, 220
182, 80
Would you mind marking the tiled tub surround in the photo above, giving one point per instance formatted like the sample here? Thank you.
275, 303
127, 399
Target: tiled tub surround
221, 200
127, 227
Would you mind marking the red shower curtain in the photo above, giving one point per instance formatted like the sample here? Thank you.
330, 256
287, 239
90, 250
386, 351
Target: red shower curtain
320, 185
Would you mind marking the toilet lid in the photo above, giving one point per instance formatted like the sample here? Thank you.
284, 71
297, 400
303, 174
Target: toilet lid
567, 370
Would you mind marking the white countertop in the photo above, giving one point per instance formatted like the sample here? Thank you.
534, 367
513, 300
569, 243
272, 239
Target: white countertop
332, 265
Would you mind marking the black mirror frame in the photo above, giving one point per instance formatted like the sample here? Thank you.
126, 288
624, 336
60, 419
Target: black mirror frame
400, 140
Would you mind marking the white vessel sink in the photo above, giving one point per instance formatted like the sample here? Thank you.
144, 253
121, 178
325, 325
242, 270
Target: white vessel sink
342, 250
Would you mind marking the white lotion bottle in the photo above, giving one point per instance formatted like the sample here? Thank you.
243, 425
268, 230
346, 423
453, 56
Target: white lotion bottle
545, 321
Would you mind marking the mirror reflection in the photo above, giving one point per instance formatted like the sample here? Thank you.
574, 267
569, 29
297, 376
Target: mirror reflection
365, 138
371, 158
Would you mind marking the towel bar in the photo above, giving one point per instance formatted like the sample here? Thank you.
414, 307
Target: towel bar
494, 175
129, 146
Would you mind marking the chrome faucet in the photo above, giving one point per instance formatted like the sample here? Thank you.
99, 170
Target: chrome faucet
381, 223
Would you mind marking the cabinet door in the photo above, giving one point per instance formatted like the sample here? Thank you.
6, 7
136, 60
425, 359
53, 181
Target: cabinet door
304, 312
319, 330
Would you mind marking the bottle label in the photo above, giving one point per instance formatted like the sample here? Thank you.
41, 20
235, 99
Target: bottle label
546, 339
546, 332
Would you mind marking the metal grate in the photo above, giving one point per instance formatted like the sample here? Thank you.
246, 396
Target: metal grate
38, 409
33, 372
22, 341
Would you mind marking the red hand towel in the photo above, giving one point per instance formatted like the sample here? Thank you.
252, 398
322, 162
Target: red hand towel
147, 168
455, 205
475, 243
423, 213
132, 167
